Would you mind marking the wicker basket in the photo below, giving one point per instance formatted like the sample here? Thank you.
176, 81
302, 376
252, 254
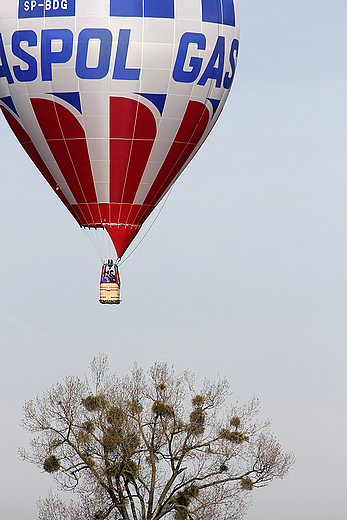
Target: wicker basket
109, 293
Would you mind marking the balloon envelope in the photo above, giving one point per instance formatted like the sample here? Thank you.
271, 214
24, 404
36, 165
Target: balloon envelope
112, 98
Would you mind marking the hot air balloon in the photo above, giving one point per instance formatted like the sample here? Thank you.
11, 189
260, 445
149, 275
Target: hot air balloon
112, 99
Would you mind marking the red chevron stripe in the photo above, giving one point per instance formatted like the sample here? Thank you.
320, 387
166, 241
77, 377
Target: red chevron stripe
191, 130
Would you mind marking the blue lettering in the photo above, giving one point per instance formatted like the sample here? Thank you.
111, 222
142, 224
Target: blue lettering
4, 68
234, 49
120, 71
188, 76
187, 67
48, 57
212, 72
30, 73
99, 72
46, 8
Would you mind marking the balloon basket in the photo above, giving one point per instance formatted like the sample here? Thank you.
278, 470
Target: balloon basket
109, 293
110, 284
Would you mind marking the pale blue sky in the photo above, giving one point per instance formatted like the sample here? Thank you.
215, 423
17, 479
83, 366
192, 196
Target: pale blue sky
244, 274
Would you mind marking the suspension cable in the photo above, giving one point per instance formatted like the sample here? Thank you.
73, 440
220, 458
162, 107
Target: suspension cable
148, 230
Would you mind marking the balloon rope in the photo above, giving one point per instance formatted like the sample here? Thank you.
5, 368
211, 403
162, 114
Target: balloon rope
93, 240
150, 227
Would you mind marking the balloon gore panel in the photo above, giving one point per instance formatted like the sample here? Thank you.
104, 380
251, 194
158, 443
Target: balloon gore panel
67, 141
132, 134
191, 130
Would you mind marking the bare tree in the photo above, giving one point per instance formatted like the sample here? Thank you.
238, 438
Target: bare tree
145, 447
